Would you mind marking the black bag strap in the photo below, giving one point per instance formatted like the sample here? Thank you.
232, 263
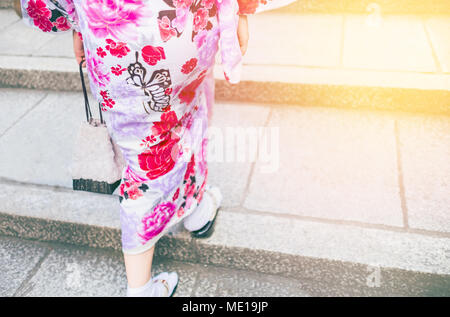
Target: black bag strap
86, 100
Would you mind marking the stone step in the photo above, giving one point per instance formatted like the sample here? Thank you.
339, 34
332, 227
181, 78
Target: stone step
339, 259
401, 64
339, 195
351, 6
43, 269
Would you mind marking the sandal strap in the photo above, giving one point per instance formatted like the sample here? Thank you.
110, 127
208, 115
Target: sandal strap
166, 285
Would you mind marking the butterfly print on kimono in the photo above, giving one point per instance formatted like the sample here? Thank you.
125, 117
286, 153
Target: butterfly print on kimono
194, 8
156, 88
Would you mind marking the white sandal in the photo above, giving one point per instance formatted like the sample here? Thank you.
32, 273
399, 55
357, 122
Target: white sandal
169, 281
208, 228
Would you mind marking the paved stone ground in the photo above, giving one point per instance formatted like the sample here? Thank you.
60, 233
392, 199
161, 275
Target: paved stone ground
381, 43
31, 268
365, 168
358, 169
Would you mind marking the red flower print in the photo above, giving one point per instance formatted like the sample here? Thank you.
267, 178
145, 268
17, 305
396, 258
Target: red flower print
166, 109
38, 11
208, 4
37, 8
188, 92
160, 159
182, 3
107, 102
80, 35
189, 190
61, 24
163, 127
177, 193
247, 6
189, 66
148, 140
168, 91
165, 29
118, 49
117, 70
152, 54
101, 52
104, 94
190, 168
201, 191
200, 19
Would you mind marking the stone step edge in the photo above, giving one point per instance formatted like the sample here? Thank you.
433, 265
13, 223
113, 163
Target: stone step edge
323, 252
327, 6
361, 89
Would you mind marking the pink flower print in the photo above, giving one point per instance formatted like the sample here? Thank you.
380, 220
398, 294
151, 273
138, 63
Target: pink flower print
61, 24
179, 22
202, 162
130, 174
130, 189
208, 4
101, 52
117, 70
200, 38
118, 49
134, 193
189, 66
165, 29
182, 3
201, 191
117, 18
200, 19
154, 222
207, 51
180, 212
152, 54
97, 70
189, 192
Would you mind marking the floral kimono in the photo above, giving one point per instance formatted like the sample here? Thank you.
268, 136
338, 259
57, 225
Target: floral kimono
150, 65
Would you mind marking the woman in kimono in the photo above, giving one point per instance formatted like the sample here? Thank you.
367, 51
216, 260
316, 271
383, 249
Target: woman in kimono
150, 65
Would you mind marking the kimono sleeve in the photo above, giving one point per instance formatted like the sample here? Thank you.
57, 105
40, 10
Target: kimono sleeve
255, 6
50, 15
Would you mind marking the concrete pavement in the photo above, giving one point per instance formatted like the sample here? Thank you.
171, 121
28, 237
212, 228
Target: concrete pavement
332, 60
348, 191
343, 196
40, 269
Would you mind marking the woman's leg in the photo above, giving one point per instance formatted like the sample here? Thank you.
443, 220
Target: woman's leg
140, 281
138, 267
